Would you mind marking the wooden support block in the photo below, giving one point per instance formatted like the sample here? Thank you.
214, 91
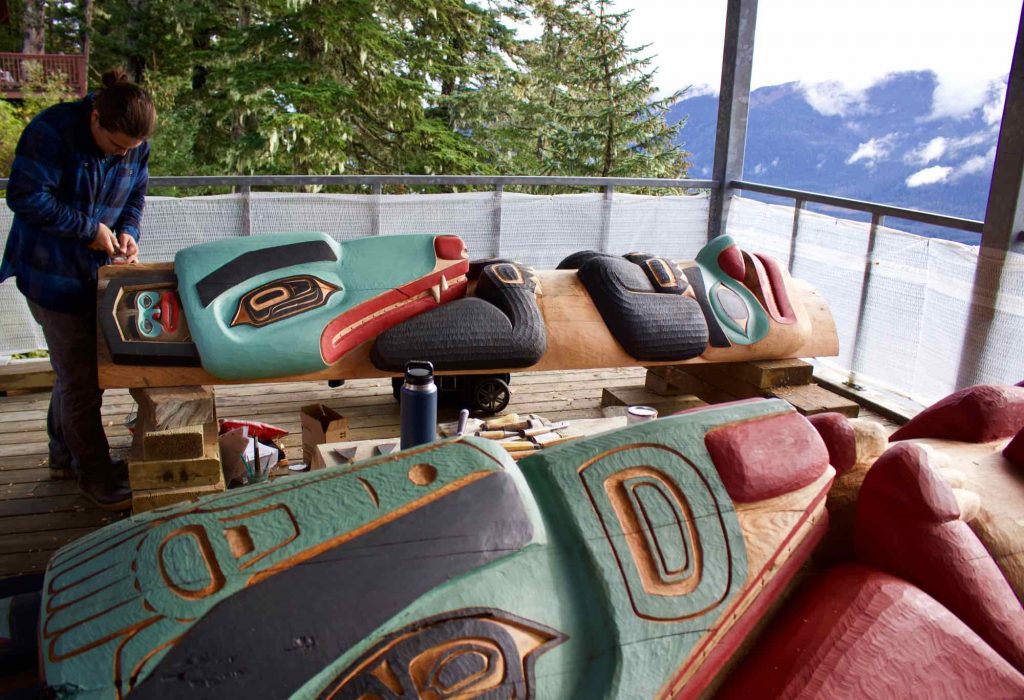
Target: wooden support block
657, 384
145, 500
176, 473
811, 399
19, 375
767, 374
638, 396
161, 408
181, 443
692, 385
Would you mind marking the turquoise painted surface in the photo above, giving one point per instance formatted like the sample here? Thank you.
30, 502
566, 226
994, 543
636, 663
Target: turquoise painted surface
366, 267
714, 277
118, 596
572, 581
636, 552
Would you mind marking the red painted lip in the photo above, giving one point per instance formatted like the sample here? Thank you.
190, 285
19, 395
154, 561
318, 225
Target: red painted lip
373, 316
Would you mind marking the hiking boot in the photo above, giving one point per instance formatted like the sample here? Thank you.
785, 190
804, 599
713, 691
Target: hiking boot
119, 469
107, 494
60, 469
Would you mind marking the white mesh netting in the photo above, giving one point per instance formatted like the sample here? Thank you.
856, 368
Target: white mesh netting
909, 338
916, 298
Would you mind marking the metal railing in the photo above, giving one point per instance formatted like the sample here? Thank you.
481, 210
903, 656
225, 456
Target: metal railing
877, 211
15, 71
878, 214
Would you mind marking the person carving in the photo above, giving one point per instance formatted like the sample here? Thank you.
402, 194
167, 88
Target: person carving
77, 189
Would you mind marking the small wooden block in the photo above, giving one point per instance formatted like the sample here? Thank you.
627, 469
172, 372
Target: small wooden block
637, 396
185, 442
26, 374
173, 407
767, 374
173, 473
145, 500
202, 470
692, 385
811, 399
656, 384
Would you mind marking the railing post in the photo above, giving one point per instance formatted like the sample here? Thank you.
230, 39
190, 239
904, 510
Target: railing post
876, 221
606, 218
378, 189
246, 210
496, 220
1004, 222
733, 105
798, 206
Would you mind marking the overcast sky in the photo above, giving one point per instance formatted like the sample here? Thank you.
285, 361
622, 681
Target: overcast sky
966, 43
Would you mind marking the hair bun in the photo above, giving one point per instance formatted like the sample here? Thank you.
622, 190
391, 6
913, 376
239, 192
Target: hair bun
113, 77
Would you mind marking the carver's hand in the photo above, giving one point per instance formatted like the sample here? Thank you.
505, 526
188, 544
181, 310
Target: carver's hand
104, 241
128, 250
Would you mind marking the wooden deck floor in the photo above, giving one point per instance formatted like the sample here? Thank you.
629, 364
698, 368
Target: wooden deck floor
38, 515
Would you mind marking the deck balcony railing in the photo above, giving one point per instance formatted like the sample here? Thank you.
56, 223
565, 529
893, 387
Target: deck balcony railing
16, 70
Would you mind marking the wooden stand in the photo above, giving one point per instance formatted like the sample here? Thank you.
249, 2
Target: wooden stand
175, 455
791, 380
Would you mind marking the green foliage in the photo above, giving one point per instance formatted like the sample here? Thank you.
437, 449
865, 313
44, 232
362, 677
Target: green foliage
40, 92
385, 86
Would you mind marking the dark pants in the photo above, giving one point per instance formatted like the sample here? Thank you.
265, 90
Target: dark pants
73, 422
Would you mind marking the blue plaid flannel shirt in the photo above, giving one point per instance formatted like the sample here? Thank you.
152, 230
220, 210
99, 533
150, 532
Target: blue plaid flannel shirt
61, 187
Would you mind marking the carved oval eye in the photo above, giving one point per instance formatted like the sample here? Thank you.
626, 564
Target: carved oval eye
463, 669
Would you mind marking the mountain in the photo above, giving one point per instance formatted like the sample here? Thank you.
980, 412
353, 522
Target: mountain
885, 144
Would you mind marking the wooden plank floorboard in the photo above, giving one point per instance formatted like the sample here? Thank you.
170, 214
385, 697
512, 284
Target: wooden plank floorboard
38, 515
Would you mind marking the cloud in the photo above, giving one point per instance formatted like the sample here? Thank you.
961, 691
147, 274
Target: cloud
926, 153
976, 165
873, 150
833, 99
992, 110
929, 176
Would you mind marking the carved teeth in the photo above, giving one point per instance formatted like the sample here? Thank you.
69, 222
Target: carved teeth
444, 283
435, 292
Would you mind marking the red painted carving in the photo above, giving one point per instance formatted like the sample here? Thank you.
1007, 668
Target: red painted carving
374, 316
1014, 451
908, 524
767, 457
722, 652
764, 279
860, 633
450, 248
731, 262
979, 413
837, 433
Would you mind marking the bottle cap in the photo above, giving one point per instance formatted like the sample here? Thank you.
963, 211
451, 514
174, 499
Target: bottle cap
419, 373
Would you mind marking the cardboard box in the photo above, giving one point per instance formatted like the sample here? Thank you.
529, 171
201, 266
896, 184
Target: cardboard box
320, 424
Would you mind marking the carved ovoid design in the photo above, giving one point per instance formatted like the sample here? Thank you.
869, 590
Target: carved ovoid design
664, 534
470, 653
281, 299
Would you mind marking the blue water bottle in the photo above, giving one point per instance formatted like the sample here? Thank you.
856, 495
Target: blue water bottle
418, 404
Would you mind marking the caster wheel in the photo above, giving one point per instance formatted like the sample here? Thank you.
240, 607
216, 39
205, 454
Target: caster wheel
490, 394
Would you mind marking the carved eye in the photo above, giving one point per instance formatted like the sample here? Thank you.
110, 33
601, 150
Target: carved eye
472, 653
281, 299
